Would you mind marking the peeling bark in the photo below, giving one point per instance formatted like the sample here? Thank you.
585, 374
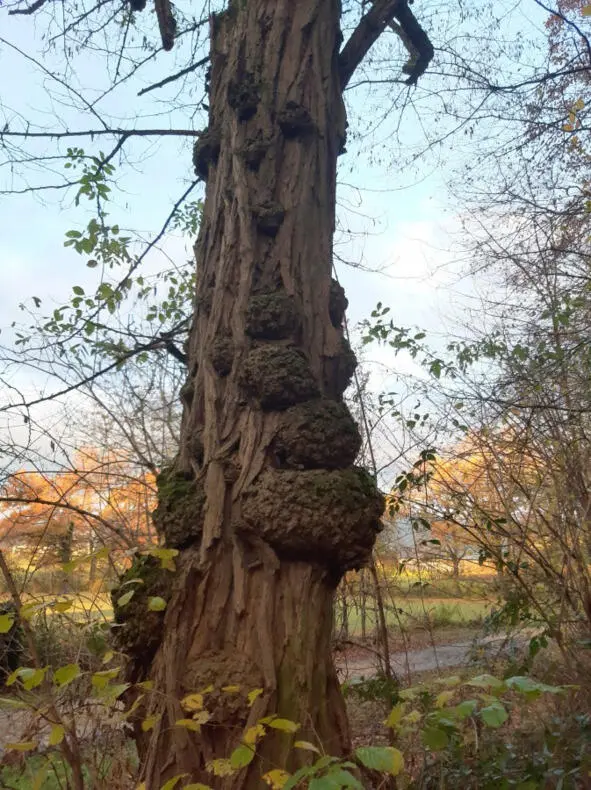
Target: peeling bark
251, 602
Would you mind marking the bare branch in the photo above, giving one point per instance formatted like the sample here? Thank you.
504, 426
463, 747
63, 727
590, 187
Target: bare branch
397, 15
174, 77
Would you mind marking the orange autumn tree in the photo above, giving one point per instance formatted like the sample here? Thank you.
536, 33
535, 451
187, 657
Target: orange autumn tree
52, 517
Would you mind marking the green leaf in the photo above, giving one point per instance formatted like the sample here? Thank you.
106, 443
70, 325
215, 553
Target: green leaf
307, 746
242, 756
465, 709
336, 779
435, 738
78, 290
6, 623
381, 758
285, 725
494, 715
487, 681
124, 599
66, 674
156, 604
33, 678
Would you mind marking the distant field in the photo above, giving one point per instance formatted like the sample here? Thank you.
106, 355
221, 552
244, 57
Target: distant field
420, 613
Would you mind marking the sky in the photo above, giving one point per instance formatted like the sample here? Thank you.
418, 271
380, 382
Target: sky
403, 228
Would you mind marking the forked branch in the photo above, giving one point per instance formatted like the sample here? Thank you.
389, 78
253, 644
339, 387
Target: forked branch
397, 15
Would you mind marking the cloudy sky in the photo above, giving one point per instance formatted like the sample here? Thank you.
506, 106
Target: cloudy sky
398, 225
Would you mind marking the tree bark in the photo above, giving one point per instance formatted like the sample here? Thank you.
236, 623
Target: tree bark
263, 501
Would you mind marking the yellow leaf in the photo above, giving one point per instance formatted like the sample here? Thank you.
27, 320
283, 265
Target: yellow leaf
309, 747
66, 674
221, 767
148, 685
21, 746
188, 724
252, 695
395, 716
108, 656
285, 725
442, 699
192, 702
230, 689
149, 722
156, 604
567, 127
173, 782
197, 786
141, 786
579, 104
276, 779
6, 623
63, 606
56, 736
413, 717
586, 10
201, 717
252, 734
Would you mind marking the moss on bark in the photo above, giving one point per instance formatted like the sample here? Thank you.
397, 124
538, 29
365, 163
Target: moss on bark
137, 629
271, 316
319, 433
277, 377
178, 518
328, 517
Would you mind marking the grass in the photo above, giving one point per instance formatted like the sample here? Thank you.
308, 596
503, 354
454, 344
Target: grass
421, 613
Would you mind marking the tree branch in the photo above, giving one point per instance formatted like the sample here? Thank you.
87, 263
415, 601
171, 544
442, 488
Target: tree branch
383, 14
28, 9
174, 77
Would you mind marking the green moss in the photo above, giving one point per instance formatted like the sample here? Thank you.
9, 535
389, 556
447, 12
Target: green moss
137, 629
271, 316
277, 377
319, 433
329, 517
179, 514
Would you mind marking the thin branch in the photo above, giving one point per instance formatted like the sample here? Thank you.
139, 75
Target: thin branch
174, 77
102, 132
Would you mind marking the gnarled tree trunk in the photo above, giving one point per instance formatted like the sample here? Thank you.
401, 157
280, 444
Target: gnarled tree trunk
262, 501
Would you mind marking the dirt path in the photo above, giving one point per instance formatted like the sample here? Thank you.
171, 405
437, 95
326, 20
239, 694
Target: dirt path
357, 665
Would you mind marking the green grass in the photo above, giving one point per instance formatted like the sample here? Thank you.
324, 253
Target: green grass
420, 613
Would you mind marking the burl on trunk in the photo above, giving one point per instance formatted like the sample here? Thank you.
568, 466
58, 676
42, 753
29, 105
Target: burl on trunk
263, 500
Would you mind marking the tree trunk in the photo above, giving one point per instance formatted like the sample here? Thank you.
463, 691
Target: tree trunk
262, 501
